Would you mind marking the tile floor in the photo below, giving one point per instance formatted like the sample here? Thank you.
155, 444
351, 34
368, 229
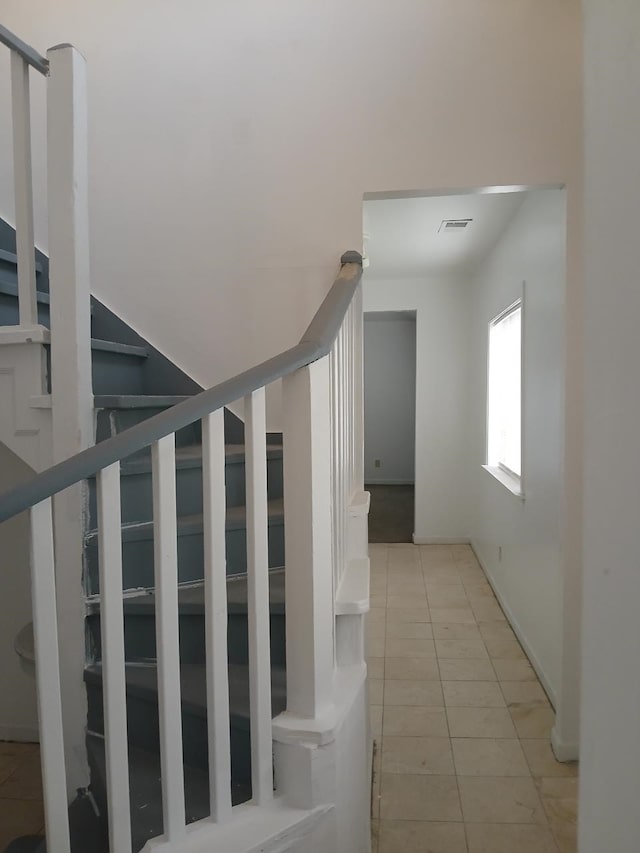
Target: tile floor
462, 757
20, 791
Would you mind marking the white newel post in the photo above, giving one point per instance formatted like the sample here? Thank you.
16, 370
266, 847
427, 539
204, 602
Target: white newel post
309, 594
72, 401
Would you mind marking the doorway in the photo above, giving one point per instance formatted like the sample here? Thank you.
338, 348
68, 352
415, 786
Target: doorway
389, 423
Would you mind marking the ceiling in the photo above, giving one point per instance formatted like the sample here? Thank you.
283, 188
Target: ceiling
404, 238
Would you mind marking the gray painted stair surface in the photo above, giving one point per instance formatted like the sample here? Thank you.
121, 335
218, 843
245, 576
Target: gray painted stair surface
132, 381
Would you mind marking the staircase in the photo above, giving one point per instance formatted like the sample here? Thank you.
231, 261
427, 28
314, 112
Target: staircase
224, 569
121, 401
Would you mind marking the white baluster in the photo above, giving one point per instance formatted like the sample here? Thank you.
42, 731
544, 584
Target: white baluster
215, 598
309, 596
359, 393
25, 244
45, 631
113, 668
167, 635
258, 597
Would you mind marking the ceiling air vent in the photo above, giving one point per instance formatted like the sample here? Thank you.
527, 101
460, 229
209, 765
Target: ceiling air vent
453, 225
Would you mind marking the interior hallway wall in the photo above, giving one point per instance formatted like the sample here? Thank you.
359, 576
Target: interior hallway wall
442, 366
518, 541
389, 397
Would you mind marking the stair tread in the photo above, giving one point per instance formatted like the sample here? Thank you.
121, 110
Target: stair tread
191, 598
11, 258
142, 681
146, 790
121, 349
236, 517
137, 401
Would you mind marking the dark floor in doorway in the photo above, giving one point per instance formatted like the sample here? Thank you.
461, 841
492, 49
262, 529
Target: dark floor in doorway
391, 513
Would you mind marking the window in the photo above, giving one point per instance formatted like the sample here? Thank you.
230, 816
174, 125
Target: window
504, 395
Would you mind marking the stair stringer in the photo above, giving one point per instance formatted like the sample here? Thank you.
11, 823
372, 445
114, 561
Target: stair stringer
24, 428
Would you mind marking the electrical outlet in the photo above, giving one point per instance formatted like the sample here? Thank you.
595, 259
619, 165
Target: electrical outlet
499, 553
376, 463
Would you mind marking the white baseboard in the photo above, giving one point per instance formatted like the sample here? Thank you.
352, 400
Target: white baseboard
419, 539
389, 483
23, 734
563, 750
524, 642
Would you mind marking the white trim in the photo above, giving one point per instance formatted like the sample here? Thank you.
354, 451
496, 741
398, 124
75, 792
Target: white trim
524, 642
420, 539
352, 597
562, 750
508, 480
20, 734
377, 482
24, 335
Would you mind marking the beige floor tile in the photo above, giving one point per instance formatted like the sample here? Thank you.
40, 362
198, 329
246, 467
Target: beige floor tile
375, 781
543, 762
489, 757
375, 835
533, 720
560, 799
447, 596
375, 719
480, 722
497, 630
376, 691
376, 601
513, 669
504, 648
453, 614
487, 610
375, 630
455, 631
505, 838
472, 694
420, 755
490, 799
442, 574
375, 667
415, 721
443, 582
396, 648
478, 589
565, 834
376, 614
409, 614
411, 669
516, 692
419, 798
408, 836
25, 782
472, 648
471, 574
19, 817
428, 693
374, 647
401, 602
410, 630
404, 589
466, 669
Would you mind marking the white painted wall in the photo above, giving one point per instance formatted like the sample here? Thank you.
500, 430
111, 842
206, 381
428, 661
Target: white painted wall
18, 712
442, 364
389, 397
528, 578
610, 741
231, 143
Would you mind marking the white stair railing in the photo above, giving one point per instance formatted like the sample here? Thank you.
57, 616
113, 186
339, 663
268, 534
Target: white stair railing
322, 444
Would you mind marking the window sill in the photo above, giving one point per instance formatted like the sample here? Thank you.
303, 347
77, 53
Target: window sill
513, 484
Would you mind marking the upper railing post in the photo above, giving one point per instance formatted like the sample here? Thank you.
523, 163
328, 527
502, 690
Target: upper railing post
309, 596
71, 398
25, 245
67, 169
